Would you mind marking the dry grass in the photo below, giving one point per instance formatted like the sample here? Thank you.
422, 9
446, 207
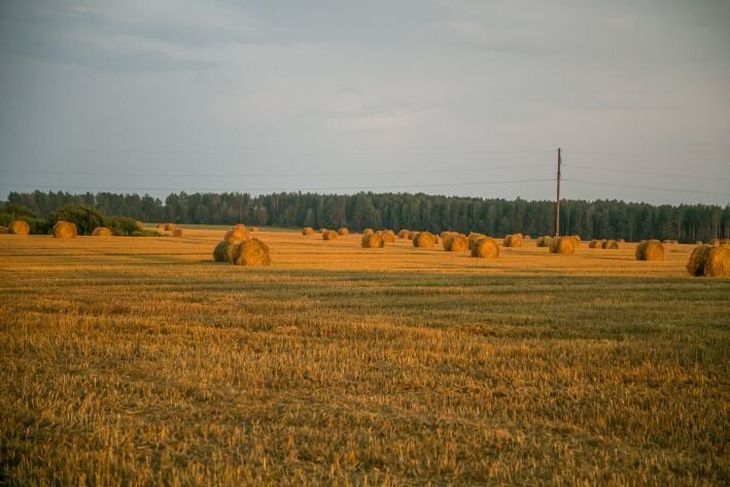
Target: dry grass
140, 361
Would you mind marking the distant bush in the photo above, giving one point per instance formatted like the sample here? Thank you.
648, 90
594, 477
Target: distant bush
123, 226
11, 212
86, 218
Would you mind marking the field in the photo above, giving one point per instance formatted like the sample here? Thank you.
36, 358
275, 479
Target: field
130, 361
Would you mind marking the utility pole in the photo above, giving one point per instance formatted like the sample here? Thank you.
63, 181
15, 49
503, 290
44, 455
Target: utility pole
557, 200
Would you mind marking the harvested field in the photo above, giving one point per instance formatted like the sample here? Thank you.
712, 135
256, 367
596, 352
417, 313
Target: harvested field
142, 361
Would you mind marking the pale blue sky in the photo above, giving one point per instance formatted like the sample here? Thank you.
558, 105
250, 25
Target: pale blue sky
448, 97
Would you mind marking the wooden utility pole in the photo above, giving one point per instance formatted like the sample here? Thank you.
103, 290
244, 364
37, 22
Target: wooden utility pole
557, 200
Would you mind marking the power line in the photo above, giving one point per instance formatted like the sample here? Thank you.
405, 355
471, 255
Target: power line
647, 173
278, 175
280, 189
655, 188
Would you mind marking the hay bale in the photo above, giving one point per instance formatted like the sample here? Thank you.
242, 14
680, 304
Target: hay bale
160, 226
621, 240
329, 235
241, 226
577, 238
514, 240
252, 252
343, 232
388, 236
596, 244
485, 248
403, 234
543, 241
254, 229
457, 243
64, 229
236, 235
139, 225
718, 262
177, 233
610, 244
223, 252
710, 261
424, 240
101, 232
715, 241
322, 230
19, 227
446, 238
169, 227
699, 242
473, 237
308, 231
650, 250
368, 231
3, 229
372, 241
563, 245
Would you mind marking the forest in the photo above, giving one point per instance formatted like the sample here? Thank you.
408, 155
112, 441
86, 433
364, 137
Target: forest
590, 219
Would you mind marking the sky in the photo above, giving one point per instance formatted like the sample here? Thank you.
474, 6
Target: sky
445, 97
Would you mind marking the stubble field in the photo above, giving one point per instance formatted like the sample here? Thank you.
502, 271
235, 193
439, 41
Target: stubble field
138, 361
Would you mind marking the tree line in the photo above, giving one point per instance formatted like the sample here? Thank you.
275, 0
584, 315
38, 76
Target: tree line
497, 217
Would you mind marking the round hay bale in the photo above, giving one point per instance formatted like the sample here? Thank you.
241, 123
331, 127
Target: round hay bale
308, 231
446, 238
473, 237
19, 227
595, 244
252, 252
403, 234
424, 240
139, 225
543, 241
699, 242
388, 236
485, 248
696, 262
650, 250
577, 238
322, 230
343, 232
621, 240
223, 252
169, 227
610, 244
718, 262
710, 261
372, 241
329, 235
458, 243
368, 231
3, 229
254, 229
64, 229
562, 245
101, 232
514, 240
160, 226
177, 233
236, 235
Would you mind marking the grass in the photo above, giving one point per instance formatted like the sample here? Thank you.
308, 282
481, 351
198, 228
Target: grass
130, 361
